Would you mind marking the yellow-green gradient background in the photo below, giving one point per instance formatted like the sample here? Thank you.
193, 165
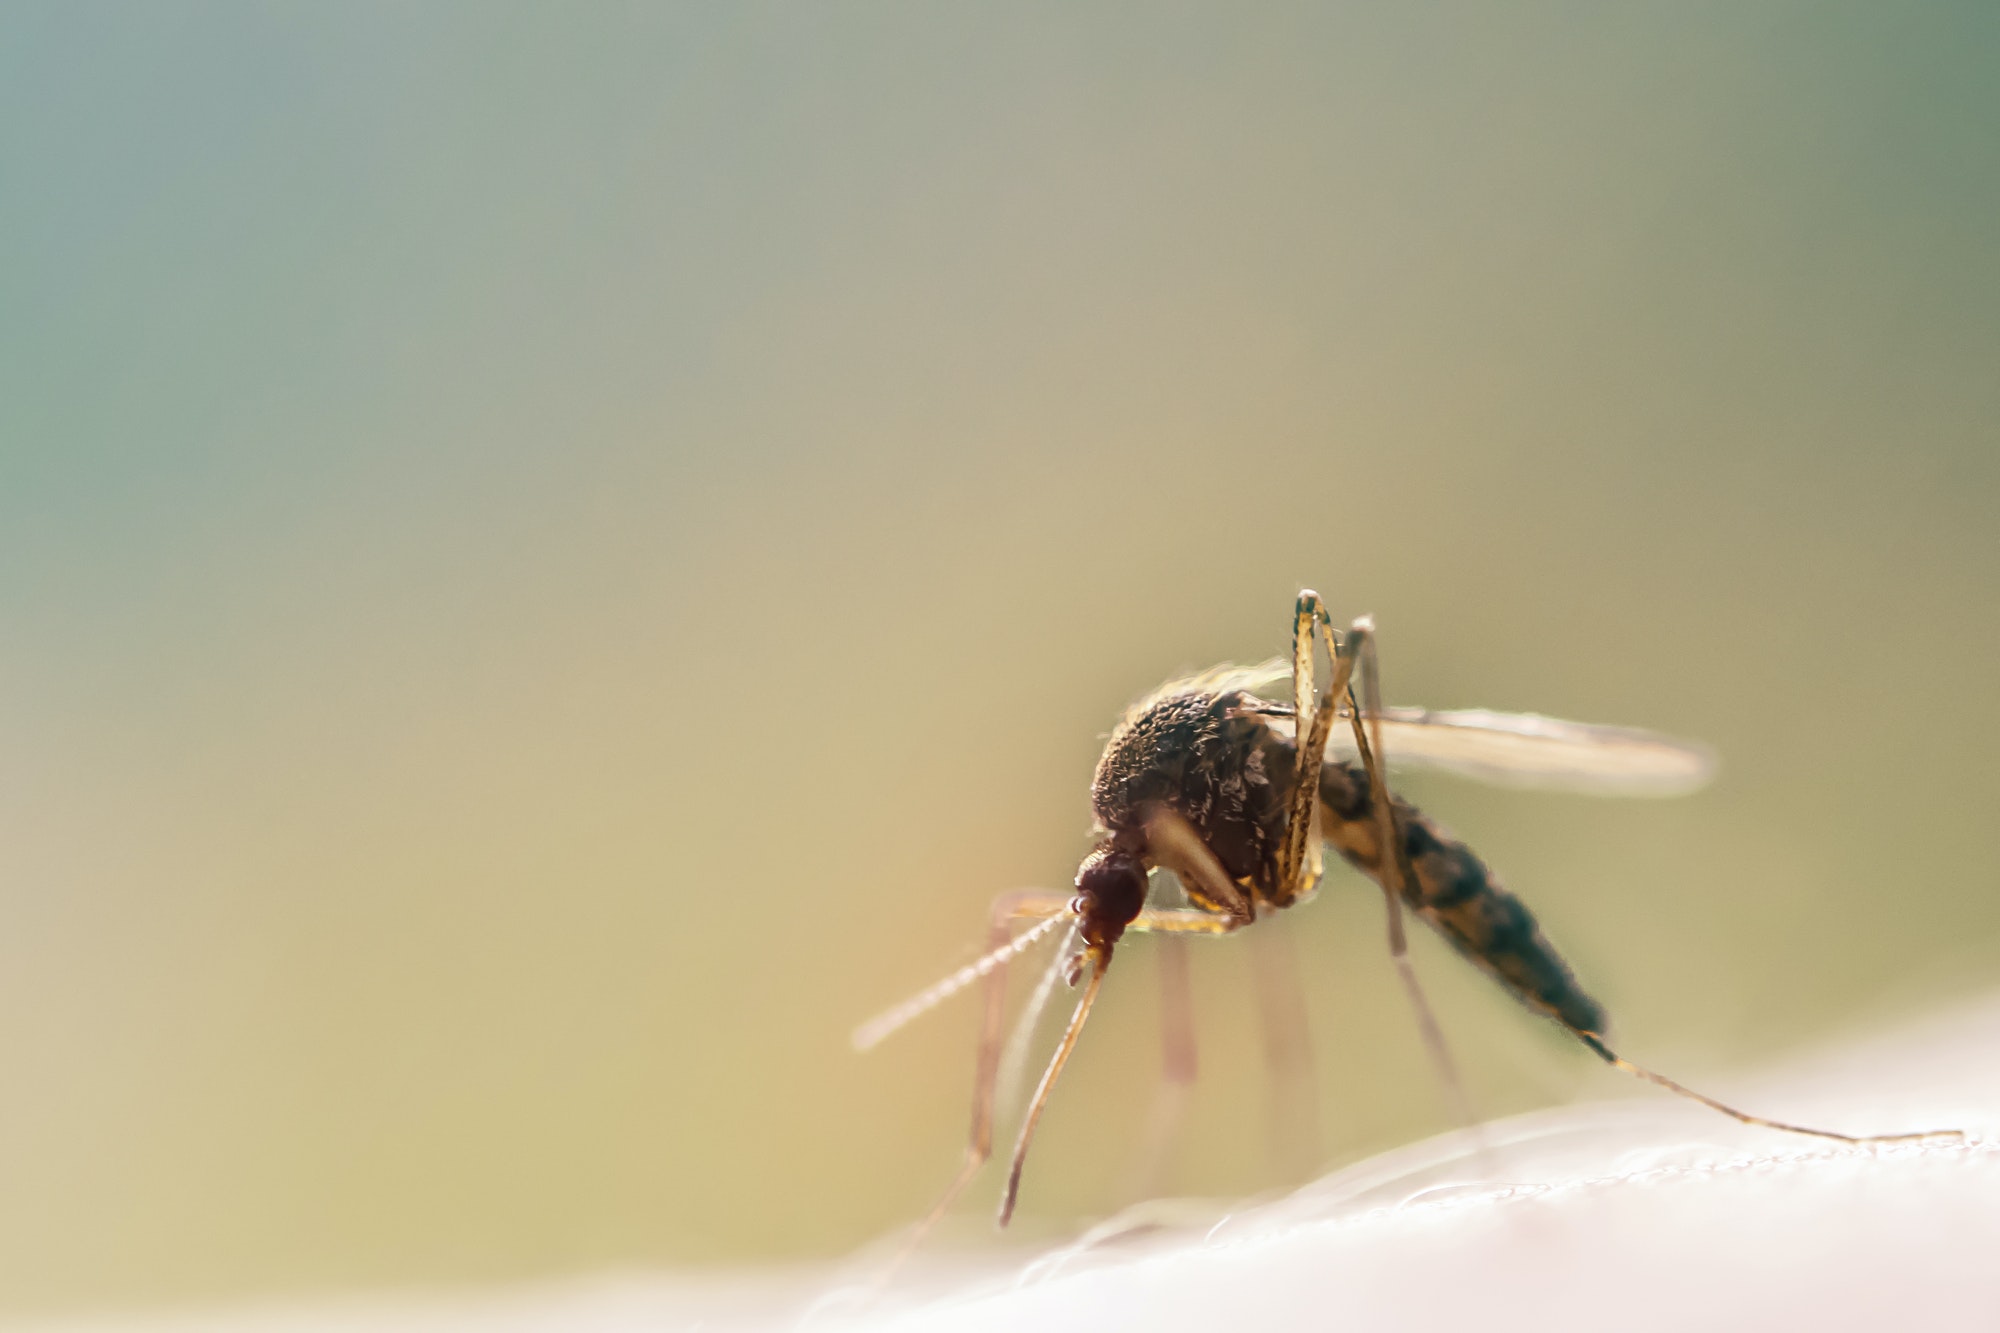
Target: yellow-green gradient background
552, 558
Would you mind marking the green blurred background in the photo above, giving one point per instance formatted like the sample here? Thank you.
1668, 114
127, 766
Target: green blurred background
552, 559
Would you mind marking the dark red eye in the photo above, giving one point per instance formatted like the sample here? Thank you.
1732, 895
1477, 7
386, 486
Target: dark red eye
1110, 890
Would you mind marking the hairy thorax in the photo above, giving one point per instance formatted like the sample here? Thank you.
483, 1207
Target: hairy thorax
1212, 759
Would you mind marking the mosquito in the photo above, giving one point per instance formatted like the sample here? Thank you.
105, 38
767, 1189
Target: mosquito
1236, 795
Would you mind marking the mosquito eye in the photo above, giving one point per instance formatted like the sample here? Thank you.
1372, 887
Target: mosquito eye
1110, 891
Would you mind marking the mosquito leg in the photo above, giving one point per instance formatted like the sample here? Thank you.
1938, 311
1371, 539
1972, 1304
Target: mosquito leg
1184, 921
1610, 1057
1312, 724
1447, 1068
1014, 1059
1178, 846
1042, 1090
1006, 909
1288, 1056
1398, 877
1179, 1065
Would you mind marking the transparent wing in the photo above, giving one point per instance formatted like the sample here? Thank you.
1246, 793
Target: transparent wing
1528, 750
1532, 751
1507, 749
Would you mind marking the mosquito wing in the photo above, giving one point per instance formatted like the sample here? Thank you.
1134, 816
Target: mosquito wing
1505, 749
1528, 750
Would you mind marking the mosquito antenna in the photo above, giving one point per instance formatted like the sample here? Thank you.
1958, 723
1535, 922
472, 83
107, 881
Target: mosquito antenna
872, 1033
1617, 1061
1056, 1063
1014, 1060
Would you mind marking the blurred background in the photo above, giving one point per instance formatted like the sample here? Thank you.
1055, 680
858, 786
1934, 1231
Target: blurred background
552, 560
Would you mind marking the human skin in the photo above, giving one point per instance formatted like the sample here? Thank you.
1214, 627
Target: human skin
1641, 1214
1645, 1213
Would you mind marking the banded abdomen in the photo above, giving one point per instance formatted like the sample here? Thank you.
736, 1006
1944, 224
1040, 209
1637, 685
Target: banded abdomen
1458, 896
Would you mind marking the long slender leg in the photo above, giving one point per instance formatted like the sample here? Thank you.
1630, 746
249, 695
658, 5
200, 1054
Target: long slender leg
1397, 875
1288, 1056
1596, 1044
1179, 1065
1014, 1059
1177, 1046
1312, 725
1006, 909
1048, 1083
1177, 845
1184, 921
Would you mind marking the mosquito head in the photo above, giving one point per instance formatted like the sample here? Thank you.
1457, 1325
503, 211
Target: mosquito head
1110, 890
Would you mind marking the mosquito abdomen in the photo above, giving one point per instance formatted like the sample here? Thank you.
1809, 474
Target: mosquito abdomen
1460, 897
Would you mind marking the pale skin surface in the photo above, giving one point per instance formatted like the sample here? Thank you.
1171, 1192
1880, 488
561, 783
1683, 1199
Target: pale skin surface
1633, 1215
1643, 1214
